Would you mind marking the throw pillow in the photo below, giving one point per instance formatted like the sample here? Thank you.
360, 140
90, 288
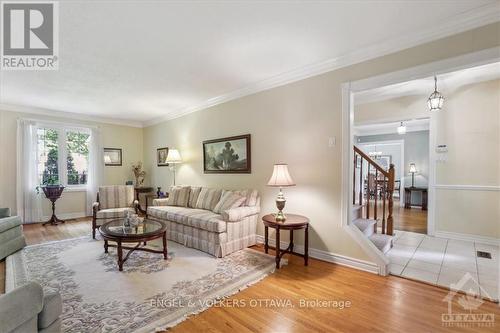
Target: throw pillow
208, 198
178, 196
227, 201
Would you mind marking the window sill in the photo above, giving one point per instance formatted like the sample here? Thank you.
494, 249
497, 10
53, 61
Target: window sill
75, 189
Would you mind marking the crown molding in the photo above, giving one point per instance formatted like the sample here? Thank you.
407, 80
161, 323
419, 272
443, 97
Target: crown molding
68, 115
468, 20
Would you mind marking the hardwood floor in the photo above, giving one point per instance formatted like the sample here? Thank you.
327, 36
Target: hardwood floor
414, 219
378, 304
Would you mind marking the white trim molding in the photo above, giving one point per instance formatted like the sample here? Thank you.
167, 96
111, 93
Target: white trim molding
468, 237
328, 256
493, 188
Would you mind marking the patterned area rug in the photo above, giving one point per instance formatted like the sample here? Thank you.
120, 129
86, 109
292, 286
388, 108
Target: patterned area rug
151, 293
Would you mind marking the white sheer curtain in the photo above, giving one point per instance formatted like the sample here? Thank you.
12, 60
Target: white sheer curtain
29, 206
96, 167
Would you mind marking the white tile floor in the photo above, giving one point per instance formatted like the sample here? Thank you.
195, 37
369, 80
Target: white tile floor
445, 262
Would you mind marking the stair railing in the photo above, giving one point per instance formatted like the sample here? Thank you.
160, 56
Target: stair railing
379, 183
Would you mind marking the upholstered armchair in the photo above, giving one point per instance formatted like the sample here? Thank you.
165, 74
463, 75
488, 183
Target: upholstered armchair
11, 233
113, 202
28, 309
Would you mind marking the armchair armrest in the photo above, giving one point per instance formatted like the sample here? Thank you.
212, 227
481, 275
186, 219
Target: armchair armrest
4, 212
239, 213
20, 305
160, 202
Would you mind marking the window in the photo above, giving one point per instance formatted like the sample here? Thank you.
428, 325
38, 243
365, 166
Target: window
63, 156
77, 158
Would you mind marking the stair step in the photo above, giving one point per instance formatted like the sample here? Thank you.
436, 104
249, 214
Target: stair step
365, 225
382, 242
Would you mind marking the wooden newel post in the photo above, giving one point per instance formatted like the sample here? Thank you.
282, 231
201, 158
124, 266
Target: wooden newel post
390, 191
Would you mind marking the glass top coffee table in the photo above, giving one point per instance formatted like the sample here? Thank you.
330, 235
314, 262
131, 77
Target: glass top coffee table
146, 231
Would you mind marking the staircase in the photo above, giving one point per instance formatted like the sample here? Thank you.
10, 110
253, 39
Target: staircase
380, 186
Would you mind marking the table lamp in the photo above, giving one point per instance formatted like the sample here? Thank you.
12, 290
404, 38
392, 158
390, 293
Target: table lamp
173, 157
280, 178
413, 171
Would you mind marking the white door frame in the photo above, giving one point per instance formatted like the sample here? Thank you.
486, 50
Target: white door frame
349, 88
401, 166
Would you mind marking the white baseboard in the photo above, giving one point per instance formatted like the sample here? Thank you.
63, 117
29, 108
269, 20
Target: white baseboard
67, 216
328, 256
468, 237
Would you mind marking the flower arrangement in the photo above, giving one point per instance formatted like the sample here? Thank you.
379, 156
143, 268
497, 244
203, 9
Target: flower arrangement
138, 173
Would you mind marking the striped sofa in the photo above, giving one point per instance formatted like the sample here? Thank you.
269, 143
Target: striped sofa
193, 222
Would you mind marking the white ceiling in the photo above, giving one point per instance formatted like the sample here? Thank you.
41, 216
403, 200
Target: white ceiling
142, 61
447, 83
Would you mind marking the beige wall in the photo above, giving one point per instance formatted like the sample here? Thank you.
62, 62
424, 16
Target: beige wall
292, 124
469, 125
128, 138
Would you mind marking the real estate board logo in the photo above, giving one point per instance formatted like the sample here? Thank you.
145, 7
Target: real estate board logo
29, 35
471, 314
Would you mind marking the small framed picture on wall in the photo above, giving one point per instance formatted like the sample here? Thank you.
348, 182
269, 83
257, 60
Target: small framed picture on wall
161, 155
112, 156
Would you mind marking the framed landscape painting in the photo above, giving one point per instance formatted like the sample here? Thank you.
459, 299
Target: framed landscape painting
227, 155
161, 155
112, 157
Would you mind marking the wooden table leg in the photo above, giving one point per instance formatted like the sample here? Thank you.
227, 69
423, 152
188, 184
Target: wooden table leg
105, 246
277, 248
291, 240
120, 256
306, 247
165, 251
424, 200
266, 239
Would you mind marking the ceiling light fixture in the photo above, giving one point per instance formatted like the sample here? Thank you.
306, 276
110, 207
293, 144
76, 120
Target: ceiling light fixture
401, 129
436, 100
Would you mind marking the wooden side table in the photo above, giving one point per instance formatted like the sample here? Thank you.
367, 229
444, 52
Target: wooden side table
293, 222
409, 190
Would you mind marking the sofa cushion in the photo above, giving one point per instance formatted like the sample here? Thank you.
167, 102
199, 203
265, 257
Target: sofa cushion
193, 196
250, 195
208, 198
207, 221
173, 213
228, 200
116, 196
52, 308
105, 215
178, 196
198, 218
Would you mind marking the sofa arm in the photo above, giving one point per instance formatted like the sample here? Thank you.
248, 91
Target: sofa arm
20, 305
160, 202
4, 212
9, 222
239, 213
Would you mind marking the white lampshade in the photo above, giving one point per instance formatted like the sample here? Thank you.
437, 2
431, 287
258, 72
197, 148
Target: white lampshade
413, 168
174, 156
402, 129
281, 176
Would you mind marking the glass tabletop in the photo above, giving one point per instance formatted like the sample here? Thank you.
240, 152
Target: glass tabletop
145, 228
